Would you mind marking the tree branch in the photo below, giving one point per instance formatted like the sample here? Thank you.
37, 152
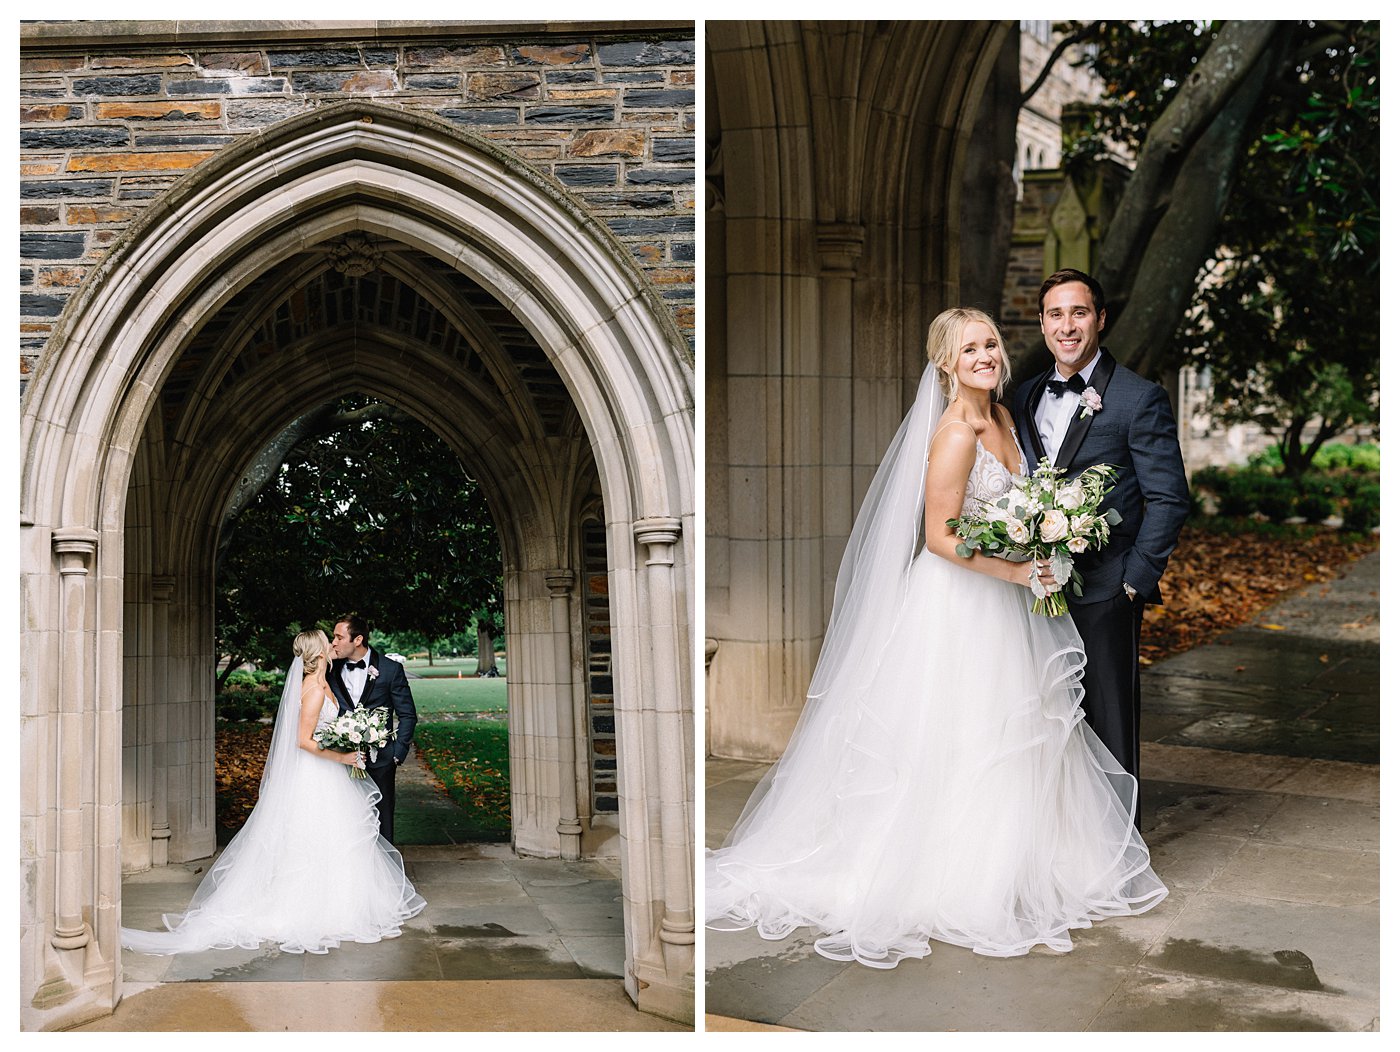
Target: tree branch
1087, 29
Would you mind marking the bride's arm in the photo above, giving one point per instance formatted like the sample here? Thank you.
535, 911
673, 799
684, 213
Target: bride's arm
312, 697
950, 461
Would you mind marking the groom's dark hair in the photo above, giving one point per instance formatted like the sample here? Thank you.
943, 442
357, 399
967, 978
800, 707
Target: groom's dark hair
1064, 277
354, 626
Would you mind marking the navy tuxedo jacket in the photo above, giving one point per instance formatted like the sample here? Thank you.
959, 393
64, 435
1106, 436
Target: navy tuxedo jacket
1136, 432
390, 688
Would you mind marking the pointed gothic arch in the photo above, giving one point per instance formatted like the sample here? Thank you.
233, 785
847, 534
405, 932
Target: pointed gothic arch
568, 364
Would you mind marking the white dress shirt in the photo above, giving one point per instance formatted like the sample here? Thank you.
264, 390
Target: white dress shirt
355, 678
1054, 415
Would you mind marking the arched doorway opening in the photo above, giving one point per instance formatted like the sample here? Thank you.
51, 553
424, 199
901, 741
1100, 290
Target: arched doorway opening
357, 245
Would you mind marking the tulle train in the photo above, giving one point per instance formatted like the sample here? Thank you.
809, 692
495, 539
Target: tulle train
944, 788
307, 871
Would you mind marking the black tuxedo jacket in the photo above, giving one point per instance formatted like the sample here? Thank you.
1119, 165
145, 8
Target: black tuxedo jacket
389, 687
1136, 432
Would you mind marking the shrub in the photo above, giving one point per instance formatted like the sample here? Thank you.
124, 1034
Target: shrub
1317, 497
249, 696
1363, 509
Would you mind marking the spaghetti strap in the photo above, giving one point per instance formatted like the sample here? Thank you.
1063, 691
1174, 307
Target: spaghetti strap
955, 420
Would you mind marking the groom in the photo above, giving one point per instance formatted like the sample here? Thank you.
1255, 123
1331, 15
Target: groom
1085, 410
359, 674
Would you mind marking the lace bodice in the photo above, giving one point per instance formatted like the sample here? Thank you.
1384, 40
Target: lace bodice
988, 480
330, 708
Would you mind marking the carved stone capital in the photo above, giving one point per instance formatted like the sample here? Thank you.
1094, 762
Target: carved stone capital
74, 546
839, 247
660, 535
559, 582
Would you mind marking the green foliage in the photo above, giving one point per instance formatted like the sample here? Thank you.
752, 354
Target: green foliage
1334, 456
1363, 509
1286, 316
248, 695
377, 517
470, 758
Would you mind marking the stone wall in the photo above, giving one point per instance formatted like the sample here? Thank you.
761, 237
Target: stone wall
104, 131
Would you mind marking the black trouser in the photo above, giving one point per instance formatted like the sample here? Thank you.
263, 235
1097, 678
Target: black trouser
1112, 687
383, 775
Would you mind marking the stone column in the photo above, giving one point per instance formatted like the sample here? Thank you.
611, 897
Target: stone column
76, 547
162, 587
561, 584
659, 535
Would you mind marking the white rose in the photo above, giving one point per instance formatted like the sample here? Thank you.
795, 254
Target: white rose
1018, 531
1072, 496
355, 737
1078, 544
996, 513
1081, 525
1055, 526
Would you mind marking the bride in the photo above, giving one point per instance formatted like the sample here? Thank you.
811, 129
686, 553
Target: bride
308, 870
940, 783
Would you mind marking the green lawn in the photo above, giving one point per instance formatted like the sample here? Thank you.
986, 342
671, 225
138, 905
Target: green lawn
431, 696
445, 667
471, 759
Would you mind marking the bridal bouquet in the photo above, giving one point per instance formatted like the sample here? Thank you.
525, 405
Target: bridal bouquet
1044, 518
359, 730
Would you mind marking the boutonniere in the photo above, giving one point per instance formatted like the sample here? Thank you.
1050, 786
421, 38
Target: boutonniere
1090, 400
372, 672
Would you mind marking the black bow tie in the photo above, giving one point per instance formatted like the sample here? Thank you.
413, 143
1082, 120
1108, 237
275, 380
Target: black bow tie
1058, 387
354, 664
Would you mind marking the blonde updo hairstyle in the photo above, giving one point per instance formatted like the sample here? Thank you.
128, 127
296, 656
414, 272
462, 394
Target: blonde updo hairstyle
311, 646
945, 343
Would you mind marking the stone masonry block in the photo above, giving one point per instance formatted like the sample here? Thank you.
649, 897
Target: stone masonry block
571, 76
380, 56
489, 86
146, 84
433, 81
316, 58
627, 226
139, 61
244, 63
361, 82
569, 114
38, 215
136, 162
72, 138
61, 277
455, 56
551, 55
47, 114
200, 86
586, 174
611, 142
87, 215
482, 115
637, 202
257, 113
41, 306
661, 176
659, 98
642, 76
673, 150
57, 188
648, 53
51, 65
174, 110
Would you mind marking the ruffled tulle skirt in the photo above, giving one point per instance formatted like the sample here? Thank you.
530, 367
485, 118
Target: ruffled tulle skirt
945, 788
307, 871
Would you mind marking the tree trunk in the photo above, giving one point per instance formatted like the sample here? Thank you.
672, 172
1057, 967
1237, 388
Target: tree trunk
233, 662
988, 200
1165, 226
430, 655
485, 649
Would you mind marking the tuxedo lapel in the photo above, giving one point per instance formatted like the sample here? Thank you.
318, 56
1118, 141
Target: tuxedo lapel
1079, 426
1035, 448
337, 685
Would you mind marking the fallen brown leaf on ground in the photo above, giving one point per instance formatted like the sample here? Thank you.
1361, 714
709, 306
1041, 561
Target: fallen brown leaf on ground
1216, 581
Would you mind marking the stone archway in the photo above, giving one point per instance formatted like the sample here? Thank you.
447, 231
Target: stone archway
494, 310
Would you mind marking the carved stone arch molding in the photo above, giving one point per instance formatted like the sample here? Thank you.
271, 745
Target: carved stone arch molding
117, 545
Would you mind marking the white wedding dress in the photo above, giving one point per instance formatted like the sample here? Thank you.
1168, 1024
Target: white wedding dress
941, 783
307, 871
